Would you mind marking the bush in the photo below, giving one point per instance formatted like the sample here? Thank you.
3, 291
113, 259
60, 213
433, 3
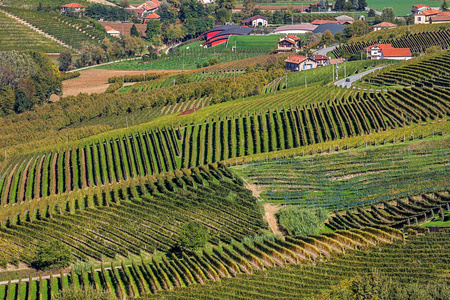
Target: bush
300, 221
52, 255
69, 75
87, 293
193, 236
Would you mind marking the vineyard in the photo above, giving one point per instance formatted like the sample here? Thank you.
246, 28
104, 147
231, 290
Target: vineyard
421, 259
215, 139
16, 36
429, 70
396, 214
417, 42
71, 31
238, 260
340, 180
133, 217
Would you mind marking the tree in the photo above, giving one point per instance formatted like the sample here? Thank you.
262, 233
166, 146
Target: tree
65, 60
153, 28
355, 4
444, 6
228, 4
388, 14
322, 5
124, 3
359, 27
249, 7
327, 38
338, 37
193, 235
371, 13
362, 4
223, 15
339, 5
52, 255
134, 32
7, 100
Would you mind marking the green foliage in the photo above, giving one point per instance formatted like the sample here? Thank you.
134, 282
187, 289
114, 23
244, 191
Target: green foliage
83, 293
301, 221
193, 235
134, 32
65, 60
388, 14
53, 254
153, 29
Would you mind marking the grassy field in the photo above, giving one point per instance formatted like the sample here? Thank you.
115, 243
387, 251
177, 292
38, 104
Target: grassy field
33, 4
401, 7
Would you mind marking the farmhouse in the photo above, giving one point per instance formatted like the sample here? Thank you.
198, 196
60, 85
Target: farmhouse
289, 43
220, 34
256, 21
75, 7
149, 7
118, 28
321, 60
386, 51
384, 25
152, 16
111, 31
297, 63
294, 29
442, 17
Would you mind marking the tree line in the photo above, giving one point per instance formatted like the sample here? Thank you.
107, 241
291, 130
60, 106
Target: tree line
26, 79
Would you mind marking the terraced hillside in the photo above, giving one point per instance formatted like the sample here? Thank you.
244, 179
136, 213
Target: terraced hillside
142, 279
71, 31
354, 178
417, 42
151, 151
17, 36
134, 217
421, 259
430, 70
398, 213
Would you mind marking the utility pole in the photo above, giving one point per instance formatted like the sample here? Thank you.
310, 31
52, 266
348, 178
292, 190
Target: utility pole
333, 72
345, 69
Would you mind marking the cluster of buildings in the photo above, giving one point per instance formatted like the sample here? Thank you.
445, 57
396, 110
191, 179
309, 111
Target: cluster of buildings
146, 11
297, 63
423, 14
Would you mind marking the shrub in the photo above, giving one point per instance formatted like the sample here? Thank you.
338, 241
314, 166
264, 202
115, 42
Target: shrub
193, 235
52, 255
300, 221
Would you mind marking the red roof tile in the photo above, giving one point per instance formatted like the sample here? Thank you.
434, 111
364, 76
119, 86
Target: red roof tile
417, 6
396, 52
334, 61
430, 12
320, 22
294, 37
152, 16
296, 59
73, 5
385, 24
382, 46
440, 18
320, 57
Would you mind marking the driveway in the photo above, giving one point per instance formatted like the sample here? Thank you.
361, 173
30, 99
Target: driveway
353, 78
324, 51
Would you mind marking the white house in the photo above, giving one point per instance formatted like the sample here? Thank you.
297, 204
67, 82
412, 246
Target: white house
256, 21
386, 51
297, 63
384, 25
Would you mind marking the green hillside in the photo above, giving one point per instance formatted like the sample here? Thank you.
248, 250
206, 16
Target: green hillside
401, 7
16, 36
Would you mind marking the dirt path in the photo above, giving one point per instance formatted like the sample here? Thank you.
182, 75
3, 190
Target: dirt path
270, 211
95, 81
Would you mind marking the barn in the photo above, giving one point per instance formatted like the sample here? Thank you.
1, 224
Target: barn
220, 34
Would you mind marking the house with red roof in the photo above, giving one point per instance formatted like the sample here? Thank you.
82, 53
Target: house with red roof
321, 60
423, 14
384, 25
152, 16
297, 63
149, 7
386, 51
442, 17
289, 43
255, 21
74, 7
138, 11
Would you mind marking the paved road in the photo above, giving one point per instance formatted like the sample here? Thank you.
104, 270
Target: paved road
325, 50
353, 78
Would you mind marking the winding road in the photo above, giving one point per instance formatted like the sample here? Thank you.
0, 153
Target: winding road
353, 78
